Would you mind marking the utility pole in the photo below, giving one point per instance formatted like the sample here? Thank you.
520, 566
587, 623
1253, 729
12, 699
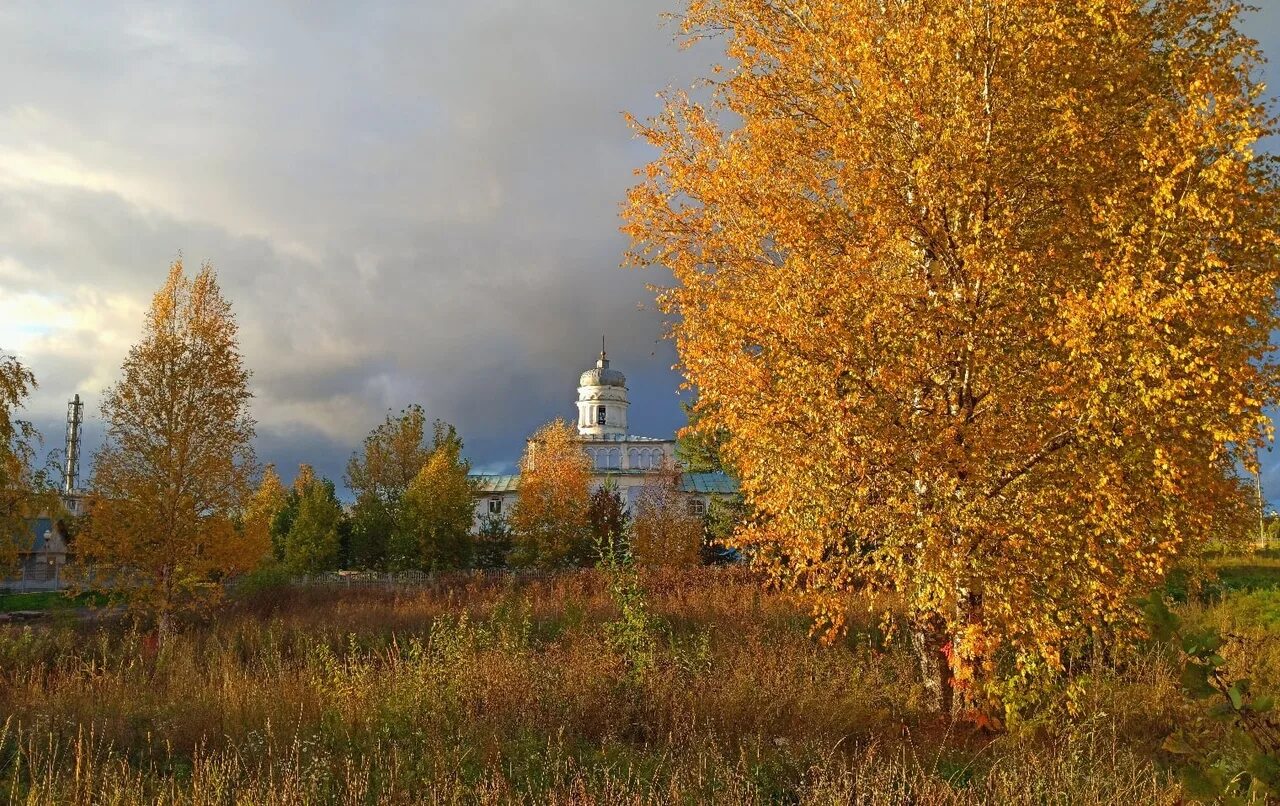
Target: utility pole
1262, 506
1262, 517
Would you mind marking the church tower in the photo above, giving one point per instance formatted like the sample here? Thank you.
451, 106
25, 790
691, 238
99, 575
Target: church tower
602, 401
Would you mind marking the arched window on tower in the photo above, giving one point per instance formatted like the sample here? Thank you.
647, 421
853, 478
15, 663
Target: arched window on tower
647, 459
600, 416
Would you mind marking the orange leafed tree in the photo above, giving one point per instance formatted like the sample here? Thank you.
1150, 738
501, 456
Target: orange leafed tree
176, 467
980, 293
550, 521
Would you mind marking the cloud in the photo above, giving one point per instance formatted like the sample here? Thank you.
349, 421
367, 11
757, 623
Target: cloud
405, 202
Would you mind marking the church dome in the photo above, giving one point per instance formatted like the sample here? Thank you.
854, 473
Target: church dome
602, 401
602, 375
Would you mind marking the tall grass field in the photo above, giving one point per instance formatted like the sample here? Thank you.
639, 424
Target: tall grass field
703, 688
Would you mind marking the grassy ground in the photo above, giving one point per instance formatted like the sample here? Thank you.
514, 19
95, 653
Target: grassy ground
47, 600
1251, 572
494, 691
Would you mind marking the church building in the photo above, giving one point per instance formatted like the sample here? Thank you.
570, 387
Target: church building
617, 456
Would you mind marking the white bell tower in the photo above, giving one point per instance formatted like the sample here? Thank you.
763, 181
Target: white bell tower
602, 401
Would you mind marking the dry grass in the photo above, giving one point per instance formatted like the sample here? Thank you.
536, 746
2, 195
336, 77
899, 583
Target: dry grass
485, 690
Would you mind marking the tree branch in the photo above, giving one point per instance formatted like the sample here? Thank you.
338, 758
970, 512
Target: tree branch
1055, 444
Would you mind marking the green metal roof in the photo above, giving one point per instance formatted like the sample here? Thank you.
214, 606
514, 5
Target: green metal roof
704, 483
715, 483
486, 483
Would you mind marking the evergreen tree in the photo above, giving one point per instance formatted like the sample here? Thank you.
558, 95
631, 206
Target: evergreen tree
493, 542
371, 525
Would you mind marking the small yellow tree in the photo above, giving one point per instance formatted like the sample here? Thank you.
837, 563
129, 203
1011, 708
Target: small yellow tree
176, 466
550, 521
267, 501
439, 506
980, 295
664, 531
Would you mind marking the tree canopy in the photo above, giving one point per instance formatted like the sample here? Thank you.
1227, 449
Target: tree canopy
391, 457
439, 508
311, 524
609, 521
267, 501
697, 446
550, 522
393, 454
979, 292
664, 532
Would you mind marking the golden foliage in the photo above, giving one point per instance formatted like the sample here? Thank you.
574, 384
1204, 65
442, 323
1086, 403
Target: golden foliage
304, 479
268, 499
550, 520
175, 469
664, 532
980, 292
439, 506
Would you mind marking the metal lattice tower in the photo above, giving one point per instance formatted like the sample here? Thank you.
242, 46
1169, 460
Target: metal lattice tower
71, 472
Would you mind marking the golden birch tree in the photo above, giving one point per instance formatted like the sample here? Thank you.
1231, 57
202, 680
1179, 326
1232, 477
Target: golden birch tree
176, 467
550, 522
266, 502
980, 293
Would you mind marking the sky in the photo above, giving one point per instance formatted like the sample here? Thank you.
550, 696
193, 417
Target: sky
405, 202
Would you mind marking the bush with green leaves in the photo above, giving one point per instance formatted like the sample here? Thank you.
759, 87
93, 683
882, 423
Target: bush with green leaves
633, 634
1248, 763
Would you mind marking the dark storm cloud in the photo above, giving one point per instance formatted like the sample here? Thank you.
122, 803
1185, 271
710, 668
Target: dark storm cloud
405, 202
